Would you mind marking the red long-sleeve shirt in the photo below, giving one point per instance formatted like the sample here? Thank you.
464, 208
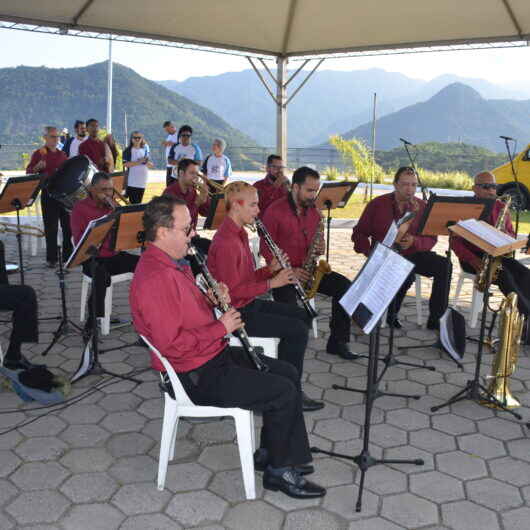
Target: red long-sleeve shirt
171, 312
468, 252
190, 197
53, 160
95, 150
231, 262
376, 220
293, 233
268, 192
85, 211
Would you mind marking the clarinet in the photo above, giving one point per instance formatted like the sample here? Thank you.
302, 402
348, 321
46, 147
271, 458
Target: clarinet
284, 263
241, 334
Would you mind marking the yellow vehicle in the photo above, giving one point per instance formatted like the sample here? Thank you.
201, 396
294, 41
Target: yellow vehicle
505, 179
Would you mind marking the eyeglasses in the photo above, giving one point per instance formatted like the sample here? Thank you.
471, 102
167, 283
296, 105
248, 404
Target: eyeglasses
137, 137
187, 230
487, 186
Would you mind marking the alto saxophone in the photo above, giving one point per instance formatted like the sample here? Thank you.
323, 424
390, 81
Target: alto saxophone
315, 271
481, 278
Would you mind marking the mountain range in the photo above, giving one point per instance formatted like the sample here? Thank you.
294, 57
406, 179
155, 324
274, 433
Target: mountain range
332, 102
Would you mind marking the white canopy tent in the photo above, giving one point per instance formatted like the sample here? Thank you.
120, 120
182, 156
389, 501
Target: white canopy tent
283, 29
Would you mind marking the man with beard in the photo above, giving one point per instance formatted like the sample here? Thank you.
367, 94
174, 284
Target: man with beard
97, 150
71, 146
274, 186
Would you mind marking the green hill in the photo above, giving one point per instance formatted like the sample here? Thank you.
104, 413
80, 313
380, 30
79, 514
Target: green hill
31, 98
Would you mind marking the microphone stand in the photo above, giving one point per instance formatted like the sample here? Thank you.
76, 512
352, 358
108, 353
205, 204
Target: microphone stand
517, 185
413, 165
327, 204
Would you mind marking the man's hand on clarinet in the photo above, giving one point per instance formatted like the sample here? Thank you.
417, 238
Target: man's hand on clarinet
284, 277
232, 320
301, 274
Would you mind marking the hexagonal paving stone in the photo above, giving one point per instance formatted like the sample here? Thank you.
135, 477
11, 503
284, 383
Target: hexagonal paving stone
500, 428
387, 436
436, 486
407, 419
336, 429
432, 441
229, 486
463, 515
212, 432
39, 475
510, 470
461, 465
84, 435
257, 515
186, 477
120, 402
129, 444
453, 424
8, 462
410, 453
47, 506
220, 457
101, 517
45, 448
131, 469
409, 510
374, 523
46, 426
83, 413
89, 487
478, 444
519, 449
516, 519
332, 472
471, 410
153, 521
7, 491
311, 518
87, 460
384, 480
198, 507
493, 494
355, 414
342, 500
134, 499
128, 421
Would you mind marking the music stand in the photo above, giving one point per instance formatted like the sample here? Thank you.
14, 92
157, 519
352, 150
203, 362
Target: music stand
216, 213
333, 195
17, 194
129, 232
88, 248
474, 390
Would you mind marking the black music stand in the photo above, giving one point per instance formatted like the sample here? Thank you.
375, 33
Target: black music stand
216, 213
333, 195
440, 213
17, 194
87, 249
364, 317
474, 390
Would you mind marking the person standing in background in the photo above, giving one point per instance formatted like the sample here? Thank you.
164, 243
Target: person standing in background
137, 163
217, 166
171, 140
71, 147
274, 186
98, 152
185, 148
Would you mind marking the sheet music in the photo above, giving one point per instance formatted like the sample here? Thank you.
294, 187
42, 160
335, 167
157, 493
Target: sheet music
486, 232
391, 235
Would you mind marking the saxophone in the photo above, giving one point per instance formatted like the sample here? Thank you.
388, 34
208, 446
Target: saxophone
510, 330
480, 279
316, 271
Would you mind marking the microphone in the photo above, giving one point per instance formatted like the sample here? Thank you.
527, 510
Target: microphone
406, 142
507, 138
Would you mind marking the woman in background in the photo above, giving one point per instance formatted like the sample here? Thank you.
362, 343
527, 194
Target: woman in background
217, 166
137, 163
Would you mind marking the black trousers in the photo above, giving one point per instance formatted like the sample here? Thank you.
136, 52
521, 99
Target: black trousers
230, 380
334, 285
290, 324
105, 268
513, 277
433, 266
3, 269
53, 213
169, 176
20, 299
134, 194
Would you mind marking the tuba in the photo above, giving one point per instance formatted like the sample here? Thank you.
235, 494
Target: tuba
480, 279
316, 271
510, 330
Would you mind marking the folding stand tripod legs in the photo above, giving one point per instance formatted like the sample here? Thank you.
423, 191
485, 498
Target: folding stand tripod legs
364, 460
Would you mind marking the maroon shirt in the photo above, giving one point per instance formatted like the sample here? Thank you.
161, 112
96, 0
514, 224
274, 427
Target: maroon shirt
191, 200
53, 160
95, 150
468, 252
292, 232
376, 220
268, 193
85, 211
231, 262
171, 312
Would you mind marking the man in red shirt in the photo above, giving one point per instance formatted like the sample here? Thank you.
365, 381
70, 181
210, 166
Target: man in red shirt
170, 310
185, 188
230, 261
98, 152
45, 161
293, 222
109, 262
373, 226
513, 276
274, 186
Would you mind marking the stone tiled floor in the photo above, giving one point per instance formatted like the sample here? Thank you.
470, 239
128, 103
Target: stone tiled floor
93, 465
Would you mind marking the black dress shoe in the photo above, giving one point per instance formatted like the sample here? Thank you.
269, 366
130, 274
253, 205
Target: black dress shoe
293, 485
309, 404
396, 324
261, 462
341, 349
19, 364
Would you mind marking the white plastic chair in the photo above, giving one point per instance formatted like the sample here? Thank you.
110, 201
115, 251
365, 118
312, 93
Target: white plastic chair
419, 310
87, 280
314, 322
476, 298
182, 406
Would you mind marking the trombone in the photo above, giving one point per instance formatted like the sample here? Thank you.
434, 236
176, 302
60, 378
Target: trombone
28, 230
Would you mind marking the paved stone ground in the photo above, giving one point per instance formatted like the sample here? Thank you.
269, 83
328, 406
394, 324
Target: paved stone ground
93, 465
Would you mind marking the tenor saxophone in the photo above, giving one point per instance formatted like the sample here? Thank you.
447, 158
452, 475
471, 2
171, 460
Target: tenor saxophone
315, 271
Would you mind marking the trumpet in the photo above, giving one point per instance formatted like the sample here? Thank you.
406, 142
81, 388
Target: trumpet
119, 198
28, 230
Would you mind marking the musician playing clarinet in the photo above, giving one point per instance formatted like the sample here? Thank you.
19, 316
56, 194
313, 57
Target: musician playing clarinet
177, 318
230, 261
373, 226
109, 262
296, 226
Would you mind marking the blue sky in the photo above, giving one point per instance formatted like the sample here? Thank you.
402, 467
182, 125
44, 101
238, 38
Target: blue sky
154, 62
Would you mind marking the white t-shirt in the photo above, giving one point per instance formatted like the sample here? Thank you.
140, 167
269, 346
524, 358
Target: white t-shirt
138, 174
171, 138
218, 167
74, 146
191, 151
